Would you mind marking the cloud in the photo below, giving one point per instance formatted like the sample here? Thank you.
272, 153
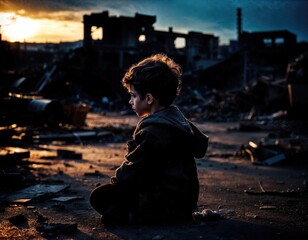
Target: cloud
69, 10
55, 9
32, 6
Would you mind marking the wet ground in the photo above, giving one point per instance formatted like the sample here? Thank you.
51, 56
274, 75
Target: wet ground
254, 201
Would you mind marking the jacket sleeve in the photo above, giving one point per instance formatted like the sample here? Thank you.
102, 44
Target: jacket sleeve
137, 163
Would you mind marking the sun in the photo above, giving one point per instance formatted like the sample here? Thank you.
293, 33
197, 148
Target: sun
19, 29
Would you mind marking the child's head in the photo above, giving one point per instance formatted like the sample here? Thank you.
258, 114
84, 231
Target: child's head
158, 75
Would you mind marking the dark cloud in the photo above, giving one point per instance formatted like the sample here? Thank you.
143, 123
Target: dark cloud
47, 5
36, 6
55, 9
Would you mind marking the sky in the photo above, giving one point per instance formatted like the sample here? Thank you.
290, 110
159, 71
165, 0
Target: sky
61, 20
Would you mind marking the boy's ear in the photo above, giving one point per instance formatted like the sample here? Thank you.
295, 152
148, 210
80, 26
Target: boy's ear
149, 98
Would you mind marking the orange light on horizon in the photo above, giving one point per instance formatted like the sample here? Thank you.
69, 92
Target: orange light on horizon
15, 28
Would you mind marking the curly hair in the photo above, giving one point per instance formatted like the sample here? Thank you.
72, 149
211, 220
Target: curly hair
158, 75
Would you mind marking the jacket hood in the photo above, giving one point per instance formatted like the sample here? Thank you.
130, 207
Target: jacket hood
172, 117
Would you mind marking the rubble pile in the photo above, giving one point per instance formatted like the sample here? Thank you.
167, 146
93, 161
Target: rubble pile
276, 148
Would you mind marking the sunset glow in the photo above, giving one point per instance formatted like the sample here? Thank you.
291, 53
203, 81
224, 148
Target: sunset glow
15, 28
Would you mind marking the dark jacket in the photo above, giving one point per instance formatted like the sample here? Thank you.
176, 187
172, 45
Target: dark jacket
160, 163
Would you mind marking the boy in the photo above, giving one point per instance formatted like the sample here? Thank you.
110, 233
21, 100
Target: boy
157, 181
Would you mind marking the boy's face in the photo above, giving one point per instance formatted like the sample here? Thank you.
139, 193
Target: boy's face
139, 106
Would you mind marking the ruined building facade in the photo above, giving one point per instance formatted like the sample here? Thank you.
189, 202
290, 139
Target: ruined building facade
125, 40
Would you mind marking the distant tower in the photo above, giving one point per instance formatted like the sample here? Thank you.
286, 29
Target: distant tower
239, 23
242, 46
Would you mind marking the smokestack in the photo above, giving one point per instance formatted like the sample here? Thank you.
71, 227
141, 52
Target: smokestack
239, 23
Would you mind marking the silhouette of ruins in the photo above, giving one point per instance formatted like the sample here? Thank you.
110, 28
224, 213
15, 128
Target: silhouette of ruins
125, 40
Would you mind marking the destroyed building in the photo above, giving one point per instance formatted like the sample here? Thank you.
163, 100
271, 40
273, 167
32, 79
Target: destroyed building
125, 40
252, 55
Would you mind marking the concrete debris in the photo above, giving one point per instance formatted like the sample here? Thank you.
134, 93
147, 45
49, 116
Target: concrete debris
267, 207
35, 191
275, 149
76, 114
54, 229
71, 135
19, 220
206, 215
65, 198
68, 154
95, 174
13, 155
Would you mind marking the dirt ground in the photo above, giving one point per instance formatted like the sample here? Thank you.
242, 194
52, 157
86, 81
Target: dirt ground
230, 185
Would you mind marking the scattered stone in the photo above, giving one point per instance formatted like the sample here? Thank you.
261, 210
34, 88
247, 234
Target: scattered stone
19, 220
57, 228
206, 215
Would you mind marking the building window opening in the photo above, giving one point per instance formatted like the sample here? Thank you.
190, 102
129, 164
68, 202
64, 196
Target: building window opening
97, 33
279, 41
142, 38
267, 42
180, 43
